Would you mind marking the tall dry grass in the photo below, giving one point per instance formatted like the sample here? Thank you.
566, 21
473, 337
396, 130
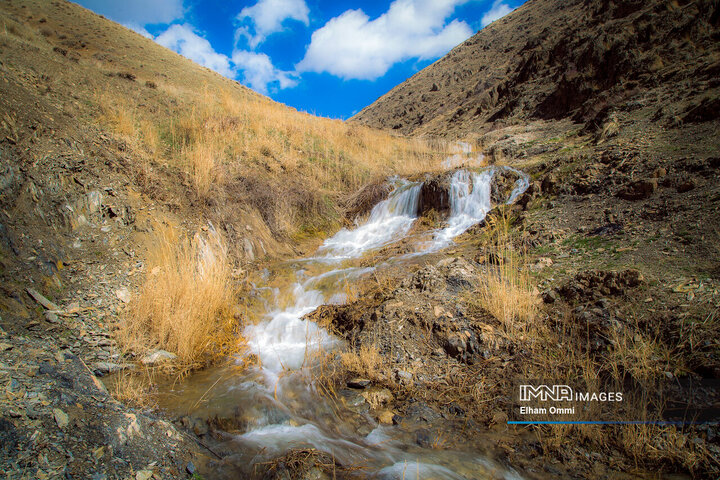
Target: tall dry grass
506, 293
215, 137
185, 304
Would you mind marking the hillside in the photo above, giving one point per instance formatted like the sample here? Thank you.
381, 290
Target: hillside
577, 59
196, 281
121, 163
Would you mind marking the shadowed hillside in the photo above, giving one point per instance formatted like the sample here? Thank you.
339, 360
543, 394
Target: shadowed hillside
579, 59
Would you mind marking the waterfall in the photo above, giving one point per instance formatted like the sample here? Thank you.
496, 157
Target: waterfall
389, 220
469, 203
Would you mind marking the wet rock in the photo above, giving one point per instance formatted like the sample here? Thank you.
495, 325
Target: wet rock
423, 438
638, 190
434, 195
503, 183
157, 357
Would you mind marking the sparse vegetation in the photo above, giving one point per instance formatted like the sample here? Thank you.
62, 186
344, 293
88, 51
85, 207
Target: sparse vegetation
185, 305
506, 293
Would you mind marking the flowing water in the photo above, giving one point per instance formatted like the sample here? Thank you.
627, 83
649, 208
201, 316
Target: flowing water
276, 401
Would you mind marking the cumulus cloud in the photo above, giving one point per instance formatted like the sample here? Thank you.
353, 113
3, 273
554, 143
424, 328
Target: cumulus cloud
184, 40
497, 11
267, 17
139, 29
137, 12
259, 72
352, 46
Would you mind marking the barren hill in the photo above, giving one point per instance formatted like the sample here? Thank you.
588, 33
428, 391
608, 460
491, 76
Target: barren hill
577, 59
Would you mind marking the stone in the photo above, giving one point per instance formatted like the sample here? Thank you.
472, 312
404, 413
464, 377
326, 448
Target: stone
404, 377
377, 396
105, 368
358, 383
52, 317
39, 298
549, 184
144, 475
5, 346
638, 190
158, 356
123, 294
248, 249
61, 418
386, 417
659, 172
685, 185
550, 296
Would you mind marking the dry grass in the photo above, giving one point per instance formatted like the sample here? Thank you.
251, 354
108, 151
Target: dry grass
365, 362
134, 388
506, 293
185, 304
219, 140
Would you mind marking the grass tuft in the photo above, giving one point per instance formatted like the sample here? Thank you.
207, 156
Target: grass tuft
185, 303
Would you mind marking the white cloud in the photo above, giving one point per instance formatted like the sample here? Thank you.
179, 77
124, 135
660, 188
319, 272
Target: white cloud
267, 17
353, 46
259, 72
137, 12
184, 40
497, 11
139, 29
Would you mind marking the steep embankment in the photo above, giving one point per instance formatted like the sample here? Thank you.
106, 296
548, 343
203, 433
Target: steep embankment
133, 180
611, 107
577, 59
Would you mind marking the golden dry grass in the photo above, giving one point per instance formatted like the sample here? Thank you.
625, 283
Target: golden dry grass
185, 303
364, 362
215, 137
506, 293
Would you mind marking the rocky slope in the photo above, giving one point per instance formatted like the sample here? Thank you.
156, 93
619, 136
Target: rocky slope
579, 59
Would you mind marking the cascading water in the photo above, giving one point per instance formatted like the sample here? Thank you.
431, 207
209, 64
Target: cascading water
281, 409
389, 220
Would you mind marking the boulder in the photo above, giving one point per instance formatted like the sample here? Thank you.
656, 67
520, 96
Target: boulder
434, 195
638, 190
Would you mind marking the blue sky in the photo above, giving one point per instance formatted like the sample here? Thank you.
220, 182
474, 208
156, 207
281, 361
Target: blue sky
330, 58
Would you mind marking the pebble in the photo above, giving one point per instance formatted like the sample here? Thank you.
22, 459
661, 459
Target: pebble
61, 418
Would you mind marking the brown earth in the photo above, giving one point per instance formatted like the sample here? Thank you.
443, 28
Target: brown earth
616, 124
578, 59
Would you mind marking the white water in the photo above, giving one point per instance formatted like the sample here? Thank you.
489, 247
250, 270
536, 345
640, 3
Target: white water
389, 220
469, 204
283, 410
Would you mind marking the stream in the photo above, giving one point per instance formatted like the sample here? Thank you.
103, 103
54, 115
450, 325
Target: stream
276, 398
